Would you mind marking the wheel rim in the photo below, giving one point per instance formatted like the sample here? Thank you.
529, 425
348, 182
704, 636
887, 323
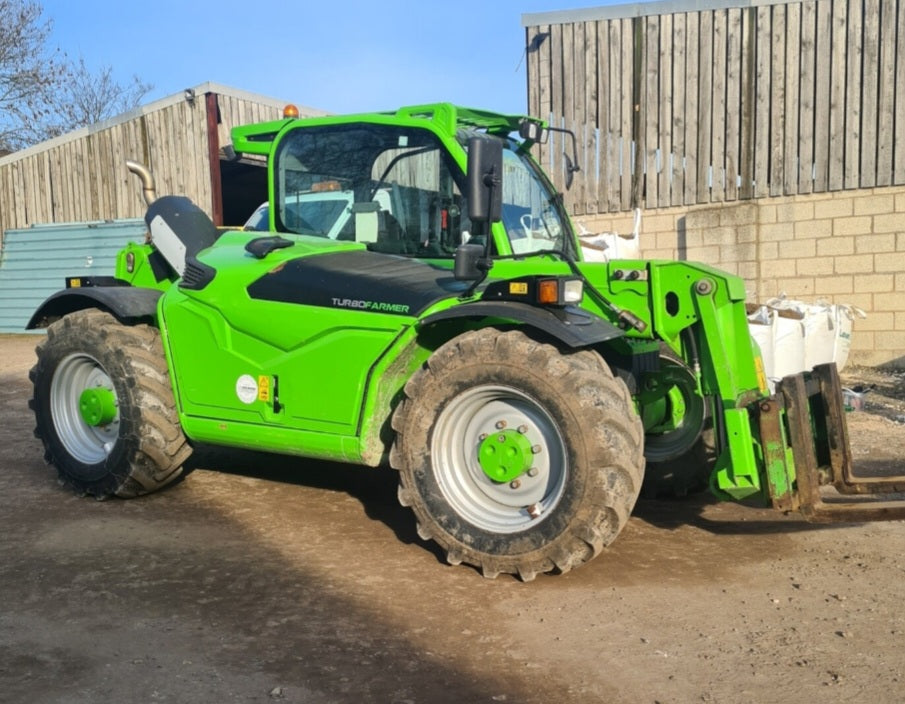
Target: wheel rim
459, 457
76, 374
674, 413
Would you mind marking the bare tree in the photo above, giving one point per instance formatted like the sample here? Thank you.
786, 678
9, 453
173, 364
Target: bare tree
42, 93
87, 97
28, 72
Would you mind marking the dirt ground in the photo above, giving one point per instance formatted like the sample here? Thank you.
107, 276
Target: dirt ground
263, 579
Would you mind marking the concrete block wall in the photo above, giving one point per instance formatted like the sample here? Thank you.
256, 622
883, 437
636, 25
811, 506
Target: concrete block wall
843, 247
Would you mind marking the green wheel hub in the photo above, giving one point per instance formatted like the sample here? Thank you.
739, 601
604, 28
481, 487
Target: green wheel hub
505, 455
97, 406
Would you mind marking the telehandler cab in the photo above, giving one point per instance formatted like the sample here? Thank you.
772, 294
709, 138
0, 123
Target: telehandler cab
420, 300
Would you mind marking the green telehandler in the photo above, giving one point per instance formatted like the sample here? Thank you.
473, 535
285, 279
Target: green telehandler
419, 299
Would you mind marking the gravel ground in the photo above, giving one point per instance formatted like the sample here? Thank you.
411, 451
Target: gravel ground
264, 579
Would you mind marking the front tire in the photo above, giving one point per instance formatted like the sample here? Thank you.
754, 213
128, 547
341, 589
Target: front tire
104, 407
516, 457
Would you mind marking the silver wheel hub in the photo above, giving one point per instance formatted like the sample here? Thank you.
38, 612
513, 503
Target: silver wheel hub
87, 444
516, 502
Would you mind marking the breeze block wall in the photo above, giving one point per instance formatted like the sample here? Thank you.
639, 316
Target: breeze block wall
842, 247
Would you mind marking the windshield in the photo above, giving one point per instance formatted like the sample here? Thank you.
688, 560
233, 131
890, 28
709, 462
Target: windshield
532, 220
392, 188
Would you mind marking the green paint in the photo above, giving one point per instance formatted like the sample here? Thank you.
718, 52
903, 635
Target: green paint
335, 364
97, 406
505, 455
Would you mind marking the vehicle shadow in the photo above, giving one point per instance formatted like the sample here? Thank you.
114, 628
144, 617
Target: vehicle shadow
710, 514
373, 487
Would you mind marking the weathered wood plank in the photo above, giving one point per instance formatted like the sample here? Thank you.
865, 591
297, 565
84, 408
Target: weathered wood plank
126, 187
679, 110
664, 175
43, 187
116, 171
629, 109
690, 118
718, 134
568, 97
886, 102
705, 117
899, 154
870, 78
837, 113
579, 117
807, 78
31, 189
778, 100
733, 100
822, 84
69, 206
76, 179
9, 197
792, 98
853, 96
748, 102
651, 113
531, 66
604, 91
204, 132
558, 81
545, 91
589, 164
93, 176
6, 218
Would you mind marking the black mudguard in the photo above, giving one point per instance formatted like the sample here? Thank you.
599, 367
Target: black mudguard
127, 304
572, 326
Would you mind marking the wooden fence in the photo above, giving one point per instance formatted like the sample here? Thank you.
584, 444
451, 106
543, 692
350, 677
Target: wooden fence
81, 176
722, 104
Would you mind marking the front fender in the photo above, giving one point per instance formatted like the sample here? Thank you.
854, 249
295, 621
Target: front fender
570, 325
127, 304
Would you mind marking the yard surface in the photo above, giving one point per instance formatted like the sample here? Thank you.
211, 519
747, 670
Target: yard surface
263, 579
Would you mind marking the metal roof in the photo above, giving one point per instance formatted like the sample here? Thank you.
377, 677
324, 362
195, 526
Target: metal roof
640, 9
35, 262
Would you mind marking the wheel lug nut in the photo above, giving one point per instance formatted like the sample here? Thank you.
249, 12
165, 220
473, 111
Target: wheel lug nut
482, 437
533, 472
536, 449
500, 424
523, 429
514, 484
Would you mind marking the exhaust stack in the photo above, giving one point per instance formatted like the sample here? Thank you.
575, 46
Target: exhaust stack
147, 180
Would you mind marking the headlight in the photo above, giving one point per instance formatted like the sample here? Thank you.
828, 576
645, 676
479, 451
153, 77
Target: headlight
573, 290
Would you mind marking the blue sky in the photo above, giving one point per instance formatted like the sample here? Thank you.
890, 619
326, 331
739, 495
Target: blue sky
340, 56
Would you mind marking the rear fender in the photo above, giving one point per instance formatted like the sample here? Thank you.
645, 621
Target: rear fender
127, 304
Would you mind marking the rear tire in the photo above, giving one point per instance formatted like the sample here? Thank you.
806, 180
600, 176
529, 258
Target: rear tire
565, 474
136, 445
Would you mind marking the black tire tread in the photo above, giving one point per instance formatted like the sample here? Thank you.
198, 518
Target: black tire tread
610, 430
158, 449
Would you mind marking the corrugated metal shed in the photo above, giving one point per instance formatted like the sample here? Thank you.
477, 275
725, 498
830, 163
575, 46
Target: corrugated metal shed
35, 262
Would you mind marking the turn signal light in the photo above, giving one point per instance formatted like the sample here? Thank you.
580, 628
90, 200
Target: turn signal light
548, 291
559, 292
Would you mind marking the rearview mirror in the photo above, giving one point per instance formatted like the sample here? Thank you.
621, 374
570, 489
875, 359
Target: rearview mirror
485, 179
